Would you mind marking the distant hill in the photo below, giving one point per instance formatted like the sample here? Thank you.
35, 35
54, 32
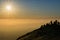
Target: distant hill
49, 31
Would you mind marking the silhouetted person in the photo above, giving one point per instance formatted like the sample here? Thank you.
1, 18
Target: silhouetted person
51, 22
55, 22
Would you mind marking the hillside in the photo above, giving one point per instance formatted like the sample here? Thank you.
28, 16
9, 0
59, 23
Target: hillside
49, 31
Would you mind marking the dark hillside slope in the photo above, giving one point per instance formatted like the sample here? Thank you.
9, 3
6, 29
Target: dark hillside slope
50, 31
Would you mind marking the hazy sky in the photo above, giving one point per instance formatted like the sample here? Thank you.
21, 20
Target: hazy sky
33, 8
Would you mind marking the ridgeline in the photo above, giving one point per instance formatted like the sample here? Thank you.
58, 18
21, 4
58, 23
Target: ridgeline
49, 31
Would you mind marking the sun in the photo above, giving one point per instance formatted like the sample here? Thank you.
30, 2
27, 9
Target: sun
8, 7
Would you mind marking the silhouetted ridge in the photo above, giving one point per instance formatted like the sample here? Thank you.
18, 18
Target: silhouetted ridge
50, 31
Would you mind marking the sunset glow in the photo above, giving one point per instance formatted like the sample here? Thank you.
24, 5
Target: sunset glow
18, 17
8, 7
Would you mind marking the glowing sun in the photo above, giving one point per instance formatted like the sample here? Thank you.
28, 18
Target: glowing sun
8, 7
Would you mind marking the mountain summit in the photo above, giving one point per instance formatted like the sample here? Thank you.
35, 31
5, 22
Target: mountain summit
49, 31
